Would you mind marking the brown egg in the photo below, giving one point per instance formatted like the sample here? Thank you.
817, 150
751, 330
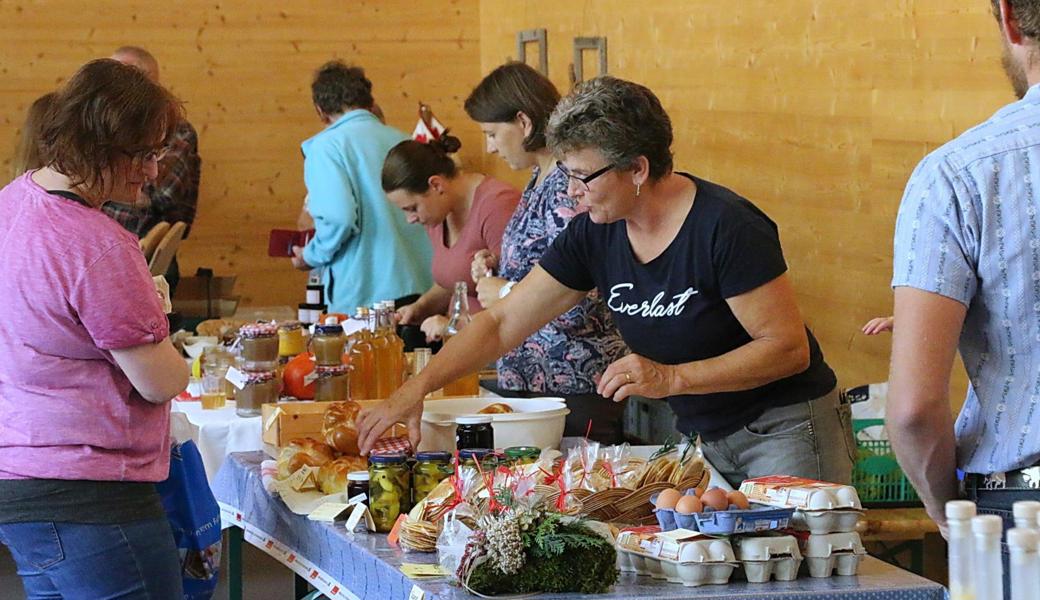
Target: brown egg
715, 498
738, 499
688, 505
668, 498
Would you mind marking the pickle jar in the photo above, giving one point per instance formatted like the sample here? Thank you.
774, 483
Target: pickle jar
474, 431
259, 342
290, 339
390, 489
522, 455
430, 469
332, 384
470, 457
261, 387
357, 483
328, 343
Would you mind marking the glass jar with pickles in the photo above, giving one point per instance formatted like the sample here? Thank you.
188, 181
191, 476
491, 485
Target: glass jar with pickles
430, 469
485, 456
390, 489
522, 455
328, 343
259, 342
332, 384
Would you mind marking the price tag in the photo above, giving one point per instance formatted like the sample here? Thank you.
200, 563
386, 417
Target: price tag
269, 423
310, 378
328, 512
416, 570
651, 547
236, 377
360, 510
417, 593
303, 480
358, 498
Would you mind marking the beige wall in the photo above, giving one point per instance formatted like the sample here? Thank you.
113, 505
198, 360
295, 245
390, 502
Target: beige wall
243, 70
816, 110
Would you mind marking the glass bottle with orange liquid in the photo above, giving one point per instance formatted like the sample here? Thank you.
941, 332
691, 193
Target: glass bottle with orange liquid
467, 385
383, 352
362, 361
398, 362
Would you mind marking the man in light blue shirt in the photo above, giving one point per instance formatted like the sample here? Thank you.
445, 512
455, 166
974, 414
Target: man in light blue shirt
967, 275
368, 251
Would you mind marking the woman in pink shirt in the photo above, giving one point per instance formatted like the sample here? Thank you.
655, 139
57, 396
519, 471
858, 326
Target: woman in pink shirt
88, 367
463, 213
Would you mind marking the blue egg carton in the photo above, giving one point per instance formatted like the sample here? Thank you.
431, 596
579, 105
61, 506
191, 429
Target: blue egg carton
751, 520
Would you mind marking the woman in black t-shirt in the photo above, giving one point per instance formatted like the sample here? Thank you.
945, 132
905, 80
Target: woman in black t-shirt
696, 281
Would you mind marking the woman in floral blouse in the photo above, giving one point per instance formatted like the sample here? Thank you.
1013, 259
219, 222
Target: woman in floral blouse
564, 358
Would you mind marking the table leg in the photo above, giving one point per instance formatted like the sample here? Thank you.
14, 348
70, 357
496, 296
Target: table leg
300, 587
235, 535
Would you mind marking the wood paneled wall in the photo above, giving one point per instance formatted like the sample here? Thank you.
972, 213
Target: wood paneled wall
816, 110
244, 71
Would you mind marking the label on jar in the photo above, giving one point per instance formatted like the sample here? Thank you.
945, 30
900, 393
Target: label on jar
310, 378
236, 377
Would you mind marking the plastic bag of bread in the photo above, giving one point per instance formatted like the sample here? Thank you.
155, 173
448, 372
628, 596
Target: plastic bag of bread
339, 427
301, 452
332, 477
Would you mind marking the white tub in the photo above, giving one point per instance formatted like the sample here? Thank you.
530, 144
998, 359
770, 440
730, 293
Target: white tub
534, 422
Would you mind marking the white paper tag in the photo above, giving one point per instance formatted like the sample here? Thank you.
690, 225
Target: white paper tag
651, 547
195, 389
269, 423
358, 498
360, 510
328, 512
236, 377
417, 593
310, 378
304, 479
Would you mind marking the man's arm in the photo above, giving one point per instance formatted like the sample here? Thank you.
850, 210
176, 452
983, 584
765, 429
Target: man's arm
332, 204
918, 415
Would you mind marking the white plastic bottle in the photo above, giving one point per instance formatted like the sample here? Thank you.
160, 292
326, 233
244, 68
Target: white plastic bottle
961, 545
989, 568
1025, 563
1026, 513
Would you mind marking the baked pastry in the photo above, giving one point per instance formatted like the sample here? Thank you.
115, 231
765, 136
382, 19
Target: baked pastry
339, 427
498, 408
301, 452
332, 477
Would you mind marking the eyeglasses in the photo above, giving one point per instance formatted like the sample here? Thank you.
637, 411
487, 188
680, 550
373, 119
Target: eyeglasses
146, 156
586, 179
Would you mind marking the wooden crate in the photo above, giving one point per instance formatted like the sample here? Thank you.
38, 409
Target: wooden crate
283, 422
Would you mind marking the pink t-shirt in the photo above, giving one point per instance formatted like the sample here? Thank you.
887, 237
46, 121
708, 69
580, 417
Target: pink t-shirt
75, 286
493, 204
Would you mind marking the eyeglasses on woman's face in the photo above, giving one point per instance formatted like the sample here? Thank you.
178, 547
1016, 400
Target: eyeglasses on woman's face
584, 180
141, 157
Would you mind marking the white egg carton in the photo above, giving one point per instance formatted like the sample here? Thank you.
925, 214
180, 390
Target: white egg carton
826, 521
763, 558
801, 493
693, 563
826, 553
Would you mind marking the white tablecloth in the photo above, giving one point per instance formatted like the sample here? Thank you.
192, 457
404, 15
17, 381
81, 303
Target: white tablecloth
217, 433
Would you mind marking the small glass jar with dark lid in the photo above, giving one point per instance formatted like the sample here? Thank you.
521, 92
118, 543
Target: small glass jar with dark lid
328, 343
357, 483
474, 431
390, 486
485, 456
429, 470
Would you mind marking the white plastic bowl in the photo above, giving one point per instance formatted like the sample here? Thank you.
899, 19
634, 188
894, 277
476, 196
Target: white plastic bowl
195, 344
534, 422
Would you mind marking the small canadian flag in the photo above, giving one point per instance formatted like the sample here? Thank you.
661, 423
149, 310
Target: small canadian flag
428, 128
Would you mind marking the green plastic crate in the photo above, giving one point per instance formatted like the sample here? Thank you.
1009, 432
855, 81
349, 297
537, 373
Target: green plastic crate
876, 474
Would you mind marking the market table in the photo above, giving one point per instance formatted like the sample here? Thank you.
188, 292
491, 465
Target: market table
347, 566
217, 433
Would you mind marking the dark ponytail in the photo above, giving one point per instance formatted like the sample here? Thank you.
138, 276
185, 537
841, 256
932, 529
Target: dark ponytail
410, 164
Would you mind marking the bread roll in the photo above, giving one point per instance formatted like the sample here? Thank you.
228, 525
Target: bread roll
498, 408
300, 452
339, 427
332, 477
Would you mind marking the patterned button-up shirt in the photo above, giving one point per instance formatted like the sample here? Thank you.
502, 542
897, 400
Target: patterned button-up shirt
173, 196
968, 229
566, 355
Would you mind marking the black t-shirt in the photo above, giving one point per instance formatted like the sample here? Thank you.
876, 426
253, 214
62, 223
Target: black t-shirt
673, 309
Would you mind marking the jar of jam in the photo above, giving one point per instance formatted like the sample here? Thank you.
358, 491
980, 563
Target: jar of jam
328, 343
290, 339
357, 483
390, 489
332, 383
522, 455
430, 469
259, 342
474, 431
261, 387
485, 456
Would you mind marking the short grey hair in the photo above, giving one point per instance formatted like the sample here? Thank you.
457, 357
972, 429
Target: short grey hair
621, 119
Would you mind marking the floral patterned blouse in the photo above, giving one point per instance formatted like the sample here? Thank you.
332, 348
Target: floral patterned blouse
564, 356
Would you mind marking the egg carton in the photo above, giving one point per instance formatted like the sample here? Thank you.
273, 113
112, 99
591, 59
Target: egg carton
763, 558
798, 492
755, 519
699, 562
826, 553
826, 521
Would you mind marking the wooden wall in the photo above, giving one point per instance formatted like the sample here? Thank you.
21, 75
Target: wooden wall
244, 71
816, 110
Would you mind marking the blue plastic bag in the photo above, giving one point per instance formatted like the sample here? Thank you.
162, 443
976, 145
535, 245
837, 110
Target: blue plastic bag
195, 519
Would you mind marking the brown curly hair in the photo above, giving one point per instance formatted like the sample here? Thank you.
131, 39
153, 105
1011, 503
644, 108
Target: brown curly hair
337, 87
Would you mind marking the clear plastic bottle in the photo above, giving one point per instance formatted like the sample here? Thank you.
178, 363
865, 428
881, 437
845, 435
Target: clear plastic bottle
988, 564
959, 514
1026, 513
467, 385
1025, 563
